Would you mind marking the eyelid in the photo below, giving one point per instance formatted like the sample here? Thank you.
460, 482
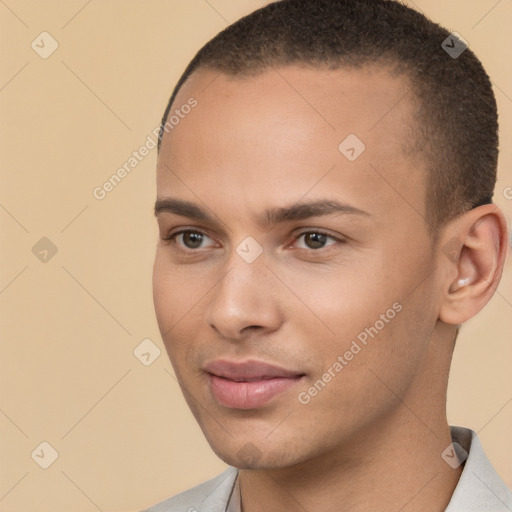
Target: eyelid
318, 231
171, 237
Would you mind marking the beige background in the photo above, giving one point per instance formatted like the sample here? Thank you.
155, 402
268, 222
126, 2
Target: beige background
69, 326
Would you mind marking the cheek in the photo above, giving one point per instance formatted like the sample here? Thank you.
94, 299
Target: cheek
362, 371
367, 317
163, 294
341, 300
179, 301
175, 295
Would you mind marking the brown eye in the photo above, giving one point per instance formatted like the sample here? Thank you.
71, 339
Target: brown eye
314, 240
190, 239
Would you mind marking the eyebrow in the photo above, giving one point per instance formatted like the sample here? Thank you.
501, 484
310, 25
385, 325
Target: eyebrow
294, 212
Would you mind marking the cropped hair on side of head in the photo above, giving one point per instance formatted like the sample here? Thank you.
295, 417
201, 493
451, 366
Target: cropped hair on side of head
456, 123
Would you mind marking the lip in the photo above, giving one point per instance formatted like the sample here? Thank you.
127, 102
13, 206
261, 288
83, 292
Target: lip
248, 384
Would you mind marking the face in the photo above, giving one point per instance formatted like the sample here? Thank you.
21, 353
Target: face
293, 281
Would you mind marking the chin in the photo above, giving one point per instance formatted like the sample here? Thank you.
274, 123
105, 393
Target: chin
245, 454
244, 459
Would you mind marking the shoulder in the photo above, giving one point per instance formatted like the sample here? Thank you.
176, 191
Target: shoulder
211, 496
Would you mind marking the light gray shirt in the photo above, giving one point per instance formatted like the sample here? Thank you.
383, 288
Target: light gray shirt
479, 489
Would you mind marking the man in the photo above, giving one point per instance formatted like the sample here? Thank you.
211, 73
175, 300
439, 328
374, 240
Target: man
325, 182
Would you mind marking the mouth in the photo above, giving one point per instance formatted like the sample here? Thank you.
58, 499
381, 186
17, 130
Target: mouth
249, 384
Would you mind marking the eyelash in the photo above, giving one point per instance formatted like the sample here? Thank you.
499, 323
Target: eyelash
172, 237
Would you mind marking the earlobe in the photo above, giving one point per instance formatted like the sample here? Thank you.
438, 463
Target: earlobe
474, 271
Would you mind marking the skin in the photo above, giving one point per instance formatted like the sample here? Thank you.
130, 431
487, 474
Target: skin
372, 438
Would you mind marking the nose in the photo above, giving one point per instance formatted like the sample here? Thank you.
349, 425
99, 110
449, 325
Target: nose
244, 301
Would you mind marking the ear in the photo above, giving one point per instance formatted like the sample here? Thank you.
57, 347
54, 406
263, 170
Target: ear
473, 250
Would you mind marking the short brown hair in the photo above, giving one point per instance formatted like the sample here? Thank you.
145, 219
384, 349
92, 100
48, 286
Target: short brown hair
457, 118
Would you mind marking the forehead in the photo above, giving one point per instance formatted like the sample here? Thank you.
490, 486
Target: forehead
294, 131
